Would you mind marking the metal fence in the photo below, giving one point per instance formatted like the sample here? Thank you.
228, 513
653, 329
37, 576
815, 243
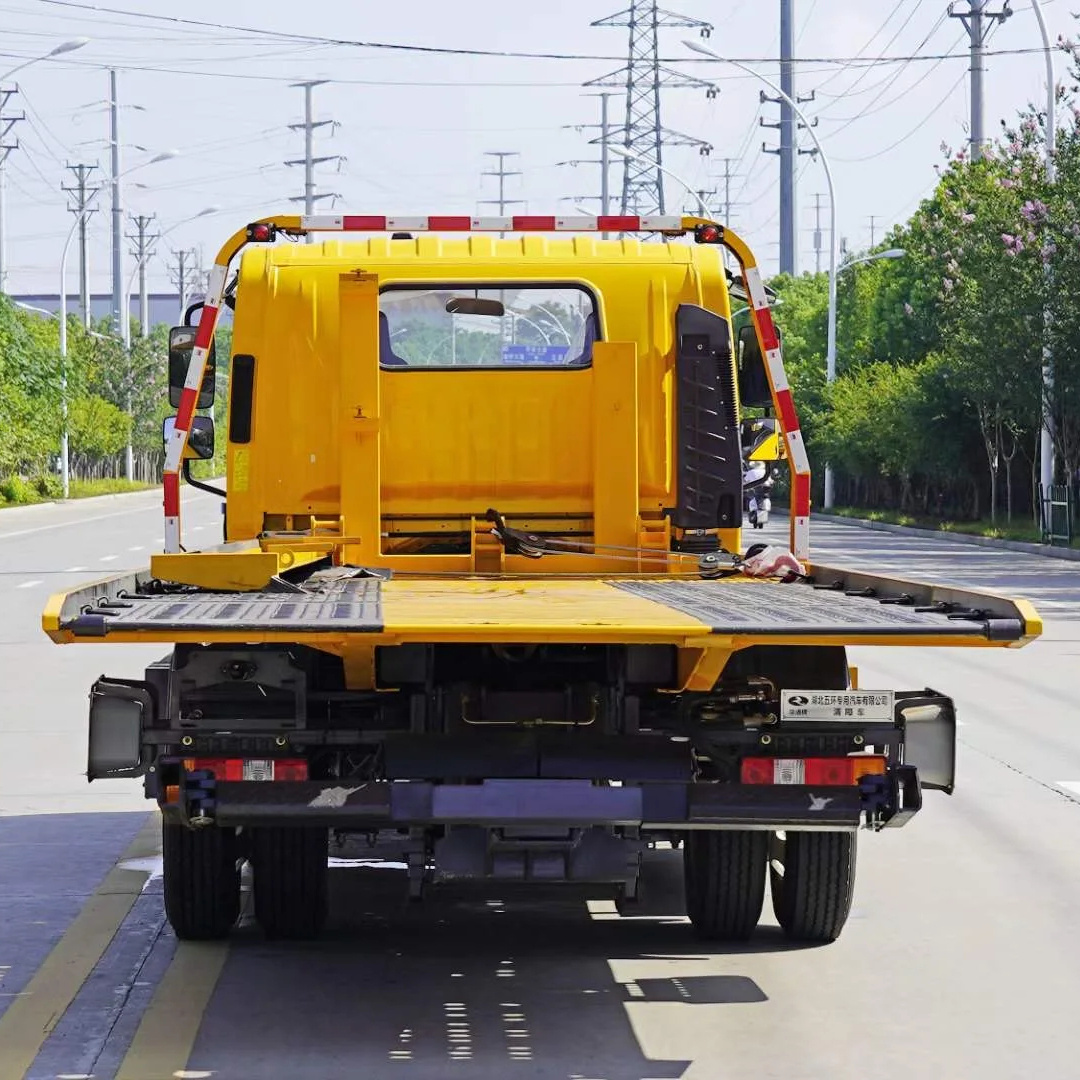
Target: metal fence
1059, 514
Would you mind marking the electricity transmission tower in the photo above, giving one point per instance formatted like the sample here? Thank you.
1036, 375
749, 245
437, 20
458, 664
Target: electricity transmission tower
644, 77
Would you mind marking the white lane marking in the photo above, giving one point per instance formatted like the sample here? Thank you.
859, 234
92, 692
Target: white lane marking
1071, 786
137, 547
29, 584
75, 569
152, 508
152, 866
108, 558
197, 528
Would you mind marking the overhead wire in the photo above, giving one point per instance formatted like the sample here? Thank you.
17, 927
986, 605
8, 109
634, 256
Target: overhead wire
869, 110
446, 50
903, 138
861, 53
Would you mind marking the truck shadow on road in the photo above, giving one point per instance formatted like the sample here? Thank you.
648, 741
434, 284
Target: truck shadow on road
467, 984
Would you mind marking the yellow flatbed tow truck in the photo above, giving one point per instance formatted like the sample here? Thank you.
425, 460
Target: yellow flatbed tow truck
482, 597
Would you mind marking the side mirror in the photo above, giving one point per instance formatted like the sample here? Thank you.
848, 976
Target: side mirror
200, 444
181, 344
754, 390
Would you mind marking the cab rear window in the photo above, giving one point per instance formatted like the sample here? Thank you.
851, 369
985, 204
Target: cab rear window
519, 326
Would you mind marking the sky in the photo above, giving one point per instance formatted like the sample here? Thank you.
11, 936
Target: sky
411, 129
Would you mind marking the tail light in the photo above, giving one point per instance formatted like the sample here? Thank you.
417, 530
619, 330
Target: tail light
820, 771
250, 768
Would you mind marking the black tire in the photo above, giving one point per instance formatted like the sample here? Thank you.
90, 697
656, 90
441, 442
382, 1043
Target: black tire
812, 897
724, 873
201, 881
289, 879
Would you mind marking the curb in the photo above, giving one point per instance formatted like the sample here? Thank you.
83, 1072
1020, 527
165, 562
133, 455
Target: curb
91, 500
1048, 552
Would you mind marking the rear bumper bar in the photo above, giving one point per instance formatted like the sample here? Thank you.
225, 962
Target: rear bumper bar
880, 801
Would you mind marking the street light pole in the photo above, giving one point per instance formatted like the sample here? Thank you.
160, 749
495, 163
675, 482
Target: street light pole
830, 354
1046, 435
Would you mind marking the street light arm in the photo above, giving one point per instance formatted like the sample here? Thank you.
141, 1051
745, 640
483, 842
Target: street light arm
890, 253
623, 152
830, 359
65, 47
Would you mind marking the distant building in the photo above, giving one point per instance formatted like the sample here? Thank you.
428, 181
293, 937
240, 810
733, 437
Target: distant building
164, 307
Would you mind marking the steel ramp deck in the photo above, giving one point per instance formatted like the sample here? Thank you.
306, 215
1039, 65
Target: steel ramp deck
543, 609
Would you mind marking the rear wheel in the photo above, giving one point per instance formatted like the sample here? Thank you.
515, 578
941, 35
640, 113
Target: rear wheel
201, 881
724, 873
812, 880
289, 870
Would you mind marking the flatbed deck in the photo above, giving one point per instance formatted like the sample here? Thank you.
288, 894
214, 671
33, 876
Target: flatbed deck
833, 605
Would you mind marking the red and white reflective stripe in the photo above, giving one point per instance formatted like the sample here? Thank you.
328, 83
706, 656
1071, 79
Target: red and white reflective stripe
785, 408
174, 451
465, 223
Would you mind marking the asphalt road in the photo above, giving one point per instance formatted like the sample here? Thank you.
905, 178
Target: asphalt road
961, 958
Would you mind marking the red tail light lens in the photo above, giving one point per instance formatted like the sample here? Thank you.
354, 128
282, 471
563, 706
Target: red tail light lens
821, 772
250, 768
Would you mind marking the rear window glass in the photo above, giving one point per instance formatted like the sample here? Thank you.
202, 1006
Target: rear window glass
487, 327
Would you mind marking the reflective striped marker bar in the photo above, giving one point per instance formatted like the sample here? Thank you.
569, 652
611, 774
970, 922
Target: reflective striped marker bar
704, 230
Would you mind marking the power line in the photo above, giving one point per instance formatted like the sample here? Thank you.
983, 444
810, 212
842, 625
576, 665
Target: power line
885, 84
904, 138
447, 51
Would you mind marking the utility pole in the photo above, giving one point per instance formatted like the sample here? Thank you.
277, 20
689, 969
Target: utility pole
182, 275
977, 22
727, 178
788, 150
118, 299
144, 242
502, 173
7, 144
643, 78
818, 196
703, 197
602, 141
82, 194
873, 231
309, 160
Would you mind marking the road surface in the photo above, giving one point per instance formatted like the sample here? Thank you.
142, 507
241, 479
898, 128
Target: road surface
961, 958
